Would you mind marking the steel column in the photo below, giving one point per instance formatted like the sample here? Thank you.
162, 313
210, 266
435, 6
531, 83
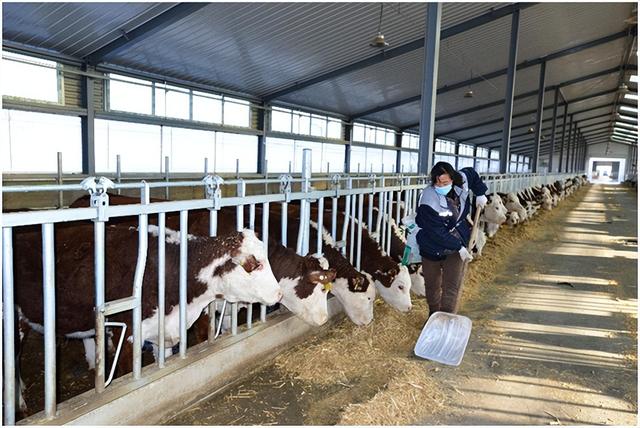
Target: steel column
536, 147
510, 86
564, 129
49, 299
263, 118
8, 317
429, 85
553, 128
571, 129
87, 123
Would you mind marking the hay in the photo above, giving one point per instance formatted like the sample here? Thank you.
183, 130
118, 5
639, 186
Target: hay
415, 390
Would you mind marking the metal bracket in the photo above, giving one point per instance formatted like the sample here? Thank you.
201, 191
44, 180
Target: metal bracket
285, 186
213, 186
372, 182
99, 196
335, 183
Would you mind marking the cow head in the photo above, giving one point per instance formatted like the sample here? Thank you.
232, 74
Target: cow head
513, 219
495, 211
242, 273
357, 294
398, 292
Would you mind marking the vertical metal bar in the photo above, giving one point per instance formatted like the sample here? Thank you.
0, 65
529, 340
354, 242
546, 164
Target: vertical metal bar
564, 129
539, 114
353, 228
234, 318
398, 201
389, 217
320, 226
265, 240
573, 147
143, 242
166, 176
241, 192
429, 86
119, 172
252, 216
370, 213
49, 290
508, 97
334, 219
359, 252
161, 284
9, 353
250, 316
345, 225
571, 129
383, 216
183, 282
283, 223
213, 222
206, 172
59, 180
98, 261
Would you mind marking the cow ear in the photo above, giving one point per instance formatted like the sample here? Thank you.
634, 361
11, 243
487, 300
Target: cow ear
251, 263
319, 277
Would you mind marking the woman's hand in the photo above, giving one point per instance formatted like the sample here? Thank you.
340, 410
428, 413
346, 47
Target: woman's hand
465, 255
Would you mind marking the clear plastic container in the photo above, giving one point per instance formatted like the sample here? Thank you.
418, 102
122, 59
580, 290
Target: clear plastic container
444, 338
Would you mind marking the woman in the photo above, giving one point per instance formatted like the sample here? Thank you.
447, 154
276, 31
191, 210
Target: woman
445, 232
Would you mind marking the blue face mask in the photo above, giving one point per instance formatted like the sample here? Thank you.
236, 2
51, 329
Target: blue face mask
443, 190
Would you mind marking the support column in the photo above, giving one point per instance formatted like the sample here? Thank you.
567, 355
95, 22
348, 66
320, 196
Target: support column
87, 124
508, 98
553, 128
398, 143
347, 136
566, 163
429, 87
564, 128
263, 120
576, 135
539, 113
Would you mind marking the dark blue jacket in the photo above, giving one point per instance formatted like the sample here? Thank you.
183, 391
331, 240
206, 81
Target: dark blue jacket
437, 237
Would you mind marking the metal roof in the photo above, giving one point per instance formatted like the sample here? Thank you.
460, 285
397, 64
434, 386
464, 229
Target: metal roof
262, 48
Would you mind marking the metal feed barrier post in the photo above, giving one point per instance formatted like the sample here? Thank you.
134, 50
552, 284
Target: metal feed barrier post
8, 356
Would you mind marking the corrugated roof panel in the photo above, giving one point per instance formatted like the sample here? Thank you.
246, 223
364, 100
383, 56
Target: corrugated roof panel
75, 29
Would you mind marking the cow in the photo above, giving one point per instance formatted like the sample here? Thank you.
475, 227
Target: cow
481, 240
235, 268
513, 205
493, 215
513, 219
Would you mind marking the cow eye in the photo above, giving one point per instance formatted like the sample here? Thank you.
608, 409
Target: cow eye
401, 287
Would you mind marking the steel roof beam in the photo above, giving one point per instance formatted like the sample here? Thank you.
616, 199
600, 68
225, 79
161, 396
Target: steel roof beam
144, 31
401, 50
498, 73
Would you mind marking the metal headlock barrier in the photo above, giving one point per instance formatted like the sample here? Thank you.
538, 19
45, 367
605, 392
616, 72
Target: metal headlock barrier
398, 191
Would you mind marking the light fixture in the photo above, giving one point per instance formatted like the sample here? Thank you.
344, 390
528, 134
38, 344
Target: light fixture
624, 117
530, 130
626, 125
468, 94
633, 78
631, 96
378, 40
623, 88
629, 109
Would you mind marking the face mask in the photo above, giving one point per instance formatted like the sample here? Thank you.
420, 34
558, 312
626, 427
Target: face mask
443, 190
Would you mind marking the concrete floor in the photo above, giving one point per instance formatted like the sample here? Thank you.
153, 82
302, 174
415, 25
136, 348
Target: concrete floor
561, 347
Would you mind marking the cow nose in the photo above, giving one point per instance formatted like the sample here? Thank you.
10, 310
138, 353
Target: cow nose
280, 295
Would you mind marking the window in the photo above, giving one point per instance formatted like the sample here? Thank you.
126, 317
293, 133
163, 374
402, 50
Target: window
280, 120
236, 112
30, 78
444, 158
464, 162
494, 165
30, 142
482, 152
232, 147
409, 162
370, 159
187, 149
171, 101
334, 129
130, 95
373, 135
410, 141
495, 154
445, 146
318, 126
281, 151
139, 146
465, 150
207, 107
482, 162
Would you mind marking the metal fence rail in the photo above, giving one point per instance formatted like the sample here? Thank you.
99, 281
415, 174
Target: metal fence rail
398, 196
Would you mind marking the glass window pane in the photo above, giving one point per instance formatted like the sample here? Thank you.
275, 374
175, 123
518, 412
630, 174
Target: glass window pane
29, 81
333, 154
31, 142
230, 147
358, 157
409, 162
318, 126
177, 104
130, 97
280, 120
334, 129
495, 154
207, 108
381, 136
236, 113
358, 133
304, 124
374, 160
370, 134
391, 138
389, 158
187, 149
279, 153
138, 145
494, 166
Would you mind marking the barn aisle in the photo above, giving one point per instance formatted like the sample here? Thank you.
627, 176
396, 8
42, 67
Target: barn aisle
561, 348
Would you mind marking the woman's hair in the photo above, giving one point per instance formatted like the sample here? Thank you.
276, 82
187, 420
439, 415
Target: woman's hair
445, 168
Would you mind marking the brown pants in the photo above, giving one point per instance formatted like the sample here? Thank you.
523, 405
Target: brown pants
442, 280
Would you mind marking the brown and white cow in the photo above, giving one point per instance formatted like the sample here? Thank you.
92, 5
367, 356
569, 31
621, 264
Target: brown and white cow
235, 268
